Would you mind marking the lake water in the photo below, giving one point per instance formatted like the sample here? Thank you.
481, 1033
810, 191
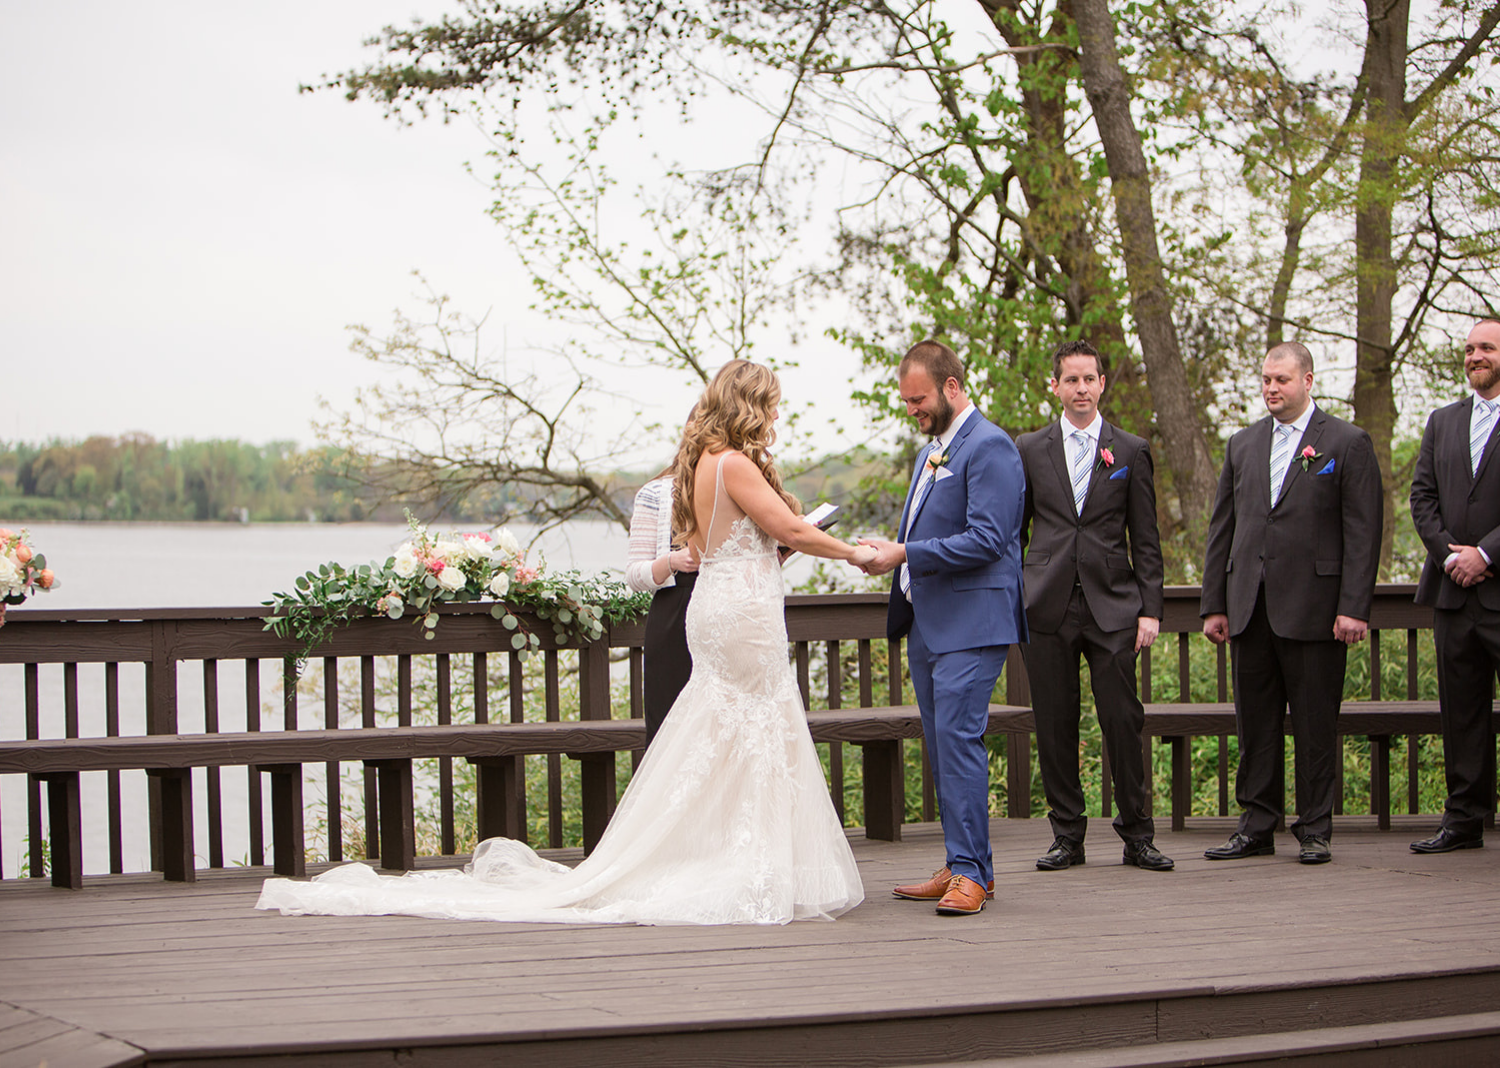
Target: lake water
165, 565
189, 565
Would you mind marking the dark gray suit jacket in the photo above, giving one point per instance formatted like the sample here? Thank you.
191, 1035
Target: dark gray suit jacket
1113, 549
1318, 548
1450, 506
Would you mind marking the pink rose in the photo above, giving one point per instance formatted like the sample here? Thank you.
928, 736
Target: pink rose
1107, 456
1307, 453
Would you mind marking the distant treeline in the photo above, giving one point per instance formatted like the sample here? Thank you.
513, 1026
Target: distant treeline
138, 477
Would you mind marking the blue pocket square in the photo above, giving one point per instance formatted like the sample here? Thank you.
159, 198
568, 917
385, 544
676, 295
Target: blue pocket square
1327, 468
1121, 473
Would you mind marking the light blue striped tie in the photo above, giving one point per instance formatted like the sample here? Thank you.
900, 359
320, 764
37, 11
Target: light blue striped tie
1082, 455
923, 481
1281, 454
1480, 433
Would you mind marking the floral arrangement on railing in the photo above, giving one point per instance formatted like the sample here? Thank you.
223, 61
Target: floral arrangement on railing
23, 570
452, 568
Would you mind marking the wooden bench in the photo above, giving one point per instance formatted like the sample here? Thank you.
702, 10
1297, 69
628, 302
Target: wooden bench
879, 732
169, 759
492, 748
1179, 722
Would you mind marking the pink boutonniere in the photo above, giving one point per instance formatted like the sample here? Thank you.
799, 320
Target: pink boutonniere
1106, 458
934, 462
1307, 457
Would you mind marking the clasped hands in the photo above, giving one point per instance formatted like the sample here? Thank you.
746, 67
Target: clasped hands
882, 558
1467, 565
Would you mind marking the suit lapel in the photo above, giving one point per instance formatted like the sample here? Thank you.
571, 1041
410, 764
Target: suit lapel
1057, 452
1096, 471
952, 451
1489, 443
1260, 460
911, 489
1310, 436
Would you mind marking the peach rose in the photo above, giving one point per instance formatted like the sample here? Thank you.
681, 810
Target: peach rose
44, 579
23, 553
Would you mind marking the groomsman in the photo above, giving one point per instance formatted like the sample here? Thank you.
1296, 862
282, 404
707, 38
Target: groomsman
1455, 504
1289, 574
1093, 577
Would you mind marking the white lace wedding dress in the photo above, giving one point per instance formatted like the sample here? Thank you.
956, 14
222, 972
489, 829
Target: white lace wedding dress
727, 819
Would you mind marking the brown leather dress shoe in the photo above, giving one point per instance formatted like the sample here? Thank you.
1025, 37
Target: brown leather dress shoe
964, 898
933, 888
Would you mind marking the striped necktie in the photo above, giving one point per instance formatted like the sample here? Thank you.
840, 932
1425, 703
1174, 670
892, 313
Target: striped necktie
1484, 419
1281, 455
1082, 465
924, 479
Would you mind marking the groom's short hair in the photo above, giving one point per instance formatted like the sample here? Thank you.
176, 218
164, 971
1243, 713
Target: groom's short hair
937, 359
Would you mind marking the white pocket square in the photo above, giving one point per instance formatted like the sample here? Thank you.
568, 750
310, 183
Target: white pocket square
942, 473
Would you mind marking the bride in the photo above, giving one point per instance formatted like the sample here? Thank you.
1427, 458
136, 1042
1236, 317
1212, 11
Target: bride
728, 818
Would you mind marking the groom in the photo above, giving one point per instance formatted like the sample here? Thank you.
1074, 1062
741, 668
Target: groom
956, 597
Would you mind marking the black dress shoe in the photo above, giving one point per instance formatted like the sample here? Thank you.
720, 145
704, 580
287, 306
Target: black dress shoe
1315, 850
1063, 854
1240, 845
1144, 854
1447, 840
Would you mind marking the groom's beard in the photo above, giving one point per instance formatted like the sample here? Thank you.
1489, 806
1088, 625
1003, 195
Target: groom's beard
940, 419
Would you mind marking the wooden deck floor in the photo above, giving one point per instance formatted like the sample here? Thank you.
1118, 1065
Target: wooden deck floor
1102, 964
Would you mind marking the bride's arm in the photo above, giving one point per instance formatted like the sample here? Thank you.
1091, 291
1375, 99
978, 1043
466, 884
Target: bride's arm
748, 488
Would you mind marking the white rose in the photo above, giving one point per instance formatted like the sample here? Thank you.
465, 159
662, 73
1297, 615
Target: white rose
506, 543
406, 562
10, 576
451, 578
450, 550
478, 548
500, 584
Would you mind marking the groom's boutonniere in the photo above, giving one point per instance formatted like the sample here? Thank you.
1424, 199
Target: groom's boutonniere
1308, 457
1106, 458
937, 461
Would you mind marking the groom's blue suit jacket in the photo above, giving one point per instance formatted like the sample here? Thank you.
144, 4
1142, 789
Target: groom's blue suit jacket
964, 547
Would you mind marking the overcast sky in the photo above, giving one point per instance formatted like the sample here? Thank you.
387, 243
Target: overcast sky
184, 236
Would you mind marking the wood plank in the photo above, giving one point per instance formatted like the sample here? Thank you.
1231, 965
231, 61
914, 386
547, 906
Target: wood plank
1059, 962
29, 1038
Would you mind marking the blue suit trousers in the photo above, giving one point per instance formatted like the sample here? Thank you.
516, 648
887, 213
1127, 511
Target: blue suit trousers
953, 694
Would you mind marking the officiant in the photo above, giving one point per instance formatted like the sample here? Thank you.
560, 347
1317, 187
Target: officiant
667, 571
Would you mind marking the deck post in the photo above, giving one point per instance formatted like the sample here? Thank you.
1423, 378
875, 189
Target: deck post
1182, 780
885, 789
175, 786
396, 823
598, 775
1380, 779
501, 802
288, 844
66, 838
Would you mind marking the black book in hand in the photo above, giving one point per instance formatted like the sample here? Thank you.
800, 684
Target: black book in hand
823, 516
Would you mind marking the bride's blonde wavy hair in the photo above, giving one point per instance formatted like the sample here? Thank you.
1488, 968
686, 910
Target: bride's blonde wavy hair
736, 411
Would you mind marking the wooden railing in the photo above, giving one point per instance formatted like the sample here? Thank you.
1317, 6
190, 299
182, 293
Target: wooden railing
460, 676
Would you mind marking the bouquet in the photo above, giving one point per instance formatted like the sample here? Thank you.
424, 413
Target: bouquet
429, 570
23, 570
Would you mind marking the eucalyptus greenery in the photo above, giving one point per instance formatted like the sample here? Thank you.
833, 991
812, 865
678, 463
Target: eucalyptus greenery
452, 569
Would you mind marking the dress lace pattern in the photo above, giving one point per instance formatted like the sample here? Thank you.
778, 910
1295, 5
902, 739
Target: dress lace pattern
727, 819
